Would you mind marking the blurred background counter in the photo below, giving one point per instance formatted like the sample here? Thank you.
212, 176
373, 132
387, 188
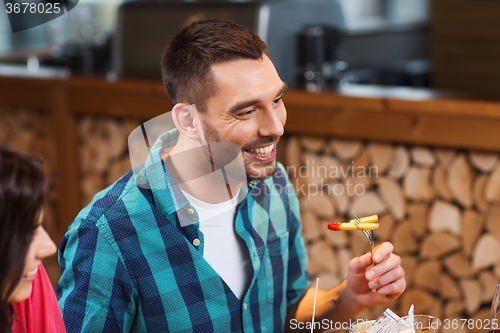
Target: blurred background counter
443, 44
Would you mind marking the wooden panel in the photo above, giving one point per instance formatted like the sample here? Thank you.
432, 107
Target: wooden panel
466, 45
400, 100
26, 97
65, 137
441, 131
418, 116
119, 104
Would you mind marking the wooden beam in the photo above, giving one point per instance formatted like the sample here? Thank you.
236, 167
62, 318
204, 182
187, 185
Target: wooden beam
142, 105
65, 137
14, 96
419, 129
416, 116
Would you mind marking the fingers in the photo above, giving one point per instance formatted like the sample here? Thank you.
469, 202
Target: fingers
390, 262
359, 265
395, 288
381, 251
387, 277
388, 293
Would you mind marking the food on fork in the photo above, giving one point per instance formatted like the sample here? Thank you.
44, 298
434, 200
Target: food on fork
365, 223
337, 226
367, 219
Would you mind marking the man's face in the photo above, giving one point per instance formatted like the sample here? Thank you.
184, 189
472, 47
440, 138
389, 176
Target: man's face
247, 111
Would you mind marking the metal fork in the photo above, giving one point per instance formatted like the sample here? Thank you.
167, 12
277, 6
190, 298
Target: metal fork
367, 233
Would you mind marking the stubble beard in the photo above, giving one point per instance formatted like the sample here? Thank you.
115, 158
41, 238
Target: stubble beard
212, 138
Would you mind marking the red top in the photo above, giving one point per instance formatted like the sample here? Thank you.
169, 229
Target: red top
40, 312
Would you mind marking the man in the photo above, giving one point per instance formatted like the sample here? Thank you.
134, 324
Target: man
172, 248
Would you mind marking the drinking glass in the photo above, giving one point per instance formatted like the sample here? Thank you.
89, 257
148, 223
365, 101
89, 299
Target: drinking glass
495, 311
421, 324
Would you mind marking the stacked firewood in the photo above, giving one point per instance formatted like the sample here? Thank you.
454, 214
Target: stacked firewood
103, 152
30, 132
439, 207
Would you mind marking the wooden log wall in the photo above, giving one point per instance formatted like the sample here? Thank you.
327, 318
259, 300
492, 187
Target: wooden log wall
438, 206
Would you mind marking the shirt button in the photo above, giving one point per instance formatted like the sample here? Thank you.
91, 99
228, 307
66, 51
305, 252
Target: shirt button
196, 242
190, 211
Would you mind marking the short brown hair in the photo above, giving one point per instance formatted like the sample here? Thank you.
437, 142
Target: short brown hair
186, 62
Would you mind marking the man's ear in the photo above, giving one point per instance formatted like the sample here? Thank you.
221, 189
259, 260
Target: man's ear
186, 120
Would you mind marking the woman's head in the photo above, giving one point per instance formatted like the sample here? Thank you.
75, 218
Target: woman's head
23, 241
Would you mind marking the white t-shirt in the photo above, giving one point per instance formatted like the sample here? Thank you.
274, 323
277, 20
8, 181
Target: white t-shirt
224, 249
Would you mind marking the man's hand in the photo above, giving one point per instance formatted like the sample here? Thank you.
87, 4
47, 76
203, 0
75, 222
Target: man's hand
366, 286
376, 284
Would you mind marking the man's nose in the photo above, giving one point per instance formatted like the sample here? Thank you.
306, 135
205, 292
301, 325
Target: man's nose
273, 122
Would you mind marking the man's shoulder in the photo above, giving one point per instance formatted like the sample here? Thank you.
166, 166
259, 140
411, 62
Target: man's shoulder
281, 171
279, 178
115, 200
273, 189
279, 185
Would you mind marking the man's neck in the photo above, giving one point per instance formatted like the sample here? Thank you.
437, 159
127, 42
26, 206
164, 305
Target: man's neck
194, 174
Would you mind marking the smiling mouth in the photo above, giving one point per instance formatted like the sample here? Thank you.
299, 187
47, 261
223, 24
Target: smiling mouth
31, 273
262, 151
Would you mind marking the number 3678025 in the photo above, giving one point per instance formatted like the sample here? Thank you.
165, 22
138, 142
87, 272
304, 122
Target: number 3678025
486, 324
31, 7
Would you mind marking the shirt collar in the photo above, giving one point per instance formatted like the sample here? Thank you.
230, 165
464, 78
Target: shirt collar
167, 195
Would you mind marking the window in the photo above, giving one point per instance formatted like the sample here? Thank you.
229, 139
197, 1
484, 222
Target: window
376, 14
87, 22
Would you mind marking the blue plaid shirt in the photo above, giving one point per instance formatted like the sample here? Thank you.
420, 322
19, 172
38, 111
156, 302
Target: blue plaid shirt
129, 265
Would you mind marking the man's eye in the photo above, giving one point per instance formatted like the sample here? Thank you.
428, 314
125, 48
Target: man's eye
246, 113
277, 100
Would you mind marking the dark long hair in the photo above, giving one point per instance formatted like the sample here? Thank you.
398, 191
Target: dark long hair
22, 191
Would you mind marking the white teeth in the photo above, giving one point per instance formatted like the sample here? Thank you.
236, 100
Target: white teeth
32, 272
262, 151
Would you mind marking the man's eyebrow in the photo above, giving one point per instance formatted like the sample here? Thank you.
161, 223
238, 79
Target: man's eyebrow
246, 104
243, 105
283, 89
